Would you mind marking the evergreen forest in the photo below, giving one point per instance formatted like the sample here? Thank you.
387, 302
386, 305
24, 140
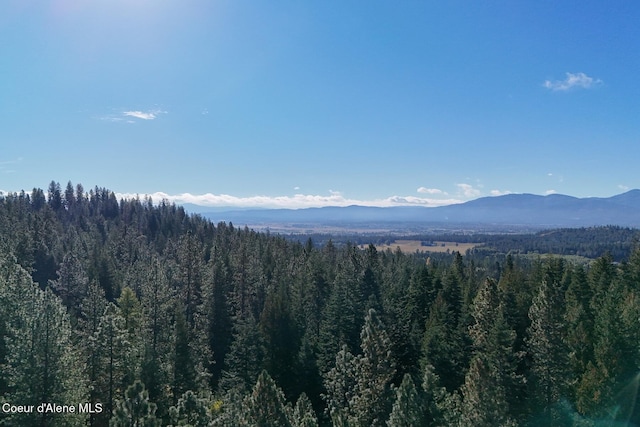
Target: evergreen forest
130, 313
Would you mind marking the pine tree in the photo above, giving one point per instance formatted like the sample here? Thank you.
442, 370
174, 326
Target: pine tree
441, 409
579, 320
375, 369
266, 405
343, 314
442, 344
484, 401
491, 382
135, 409
407, 409
156, 301
303, 413
184, 370
280, 337
548, 350
190, 276
243, 363
109, 361
190, 410
340, 383
41, 363
219, 327
72, 283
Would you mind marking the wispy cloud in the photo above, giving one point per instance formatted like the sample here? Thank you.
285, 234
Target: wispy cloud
425, 190
131, 115
500, 192
577, 80
148, 115
334, 198
468, 191
7, 166
550, 192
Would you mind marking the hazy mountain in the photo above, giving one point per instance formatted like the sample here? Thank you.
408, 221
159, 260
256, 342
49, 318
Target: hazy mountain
554, 210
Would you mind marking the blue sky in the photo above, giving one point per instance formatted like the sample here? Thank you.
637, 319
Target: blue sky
296, 104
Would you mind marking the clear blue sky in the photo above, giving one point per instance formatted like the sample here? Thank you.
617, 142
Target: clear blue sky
294, 104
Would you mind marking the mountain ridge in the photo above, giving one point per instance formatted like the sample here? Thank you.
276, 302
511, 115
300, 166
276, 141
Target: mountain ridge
553, 210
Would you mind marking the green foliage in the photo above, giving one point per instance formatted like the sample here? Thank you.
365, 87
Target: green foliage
97, 293
374, 369
109, 361
135, 409
340, 383
549, 353
407, 409
190, 410
266, 405
303, 413
40, 362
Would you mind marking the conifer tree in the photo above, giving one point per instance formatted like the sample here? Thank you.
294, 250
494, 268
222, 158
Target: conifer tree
303, 413
579, 321
72, 283
244, 361
340, 383
484, 401
41, 363
184, 370
407, 409
156, 302
343, 314
441, 408
547, 346
280, 337
218, 310
135, 409
266, 405
190, 410
441, 344
375, 369
109, 361
491, 382
190, 277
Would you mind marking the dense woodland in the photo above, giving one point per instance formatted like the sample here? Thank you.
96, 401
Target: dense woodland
164, 318
588, 242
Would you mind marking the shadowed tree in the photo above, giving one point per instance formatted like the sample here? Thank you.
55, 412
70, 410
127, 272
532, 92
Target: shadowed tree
266, 405
407, 409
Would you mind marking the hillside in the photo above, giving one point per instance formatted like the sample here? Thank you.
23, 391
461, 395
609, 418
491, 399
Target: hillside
120, 304
519, 210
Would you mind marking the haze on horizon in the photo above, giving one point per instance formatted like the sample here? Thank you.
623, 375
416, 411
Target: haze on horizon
245, 104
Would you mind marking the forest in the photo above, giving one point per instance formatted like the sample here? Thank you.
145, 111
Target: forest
132, 313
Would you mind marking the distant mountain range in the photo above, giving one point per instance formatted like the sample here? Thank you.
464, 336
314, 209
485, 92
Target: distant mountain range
518, 210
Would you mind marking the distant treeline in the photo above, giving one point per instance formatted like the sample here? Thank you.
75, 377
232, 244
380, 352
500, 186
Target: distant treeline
157, 317
589, 242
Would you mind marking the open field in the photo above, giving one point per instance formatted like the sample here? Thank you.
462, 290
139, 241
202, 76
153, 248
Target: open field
411, 246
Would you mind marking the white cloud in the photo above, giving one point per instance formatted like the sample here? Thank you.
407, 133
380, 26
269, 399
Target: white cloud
550, 192
500, 192
128, 116
335, 198
578, 80
623, 187
425, 190
468, 191
149, 115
